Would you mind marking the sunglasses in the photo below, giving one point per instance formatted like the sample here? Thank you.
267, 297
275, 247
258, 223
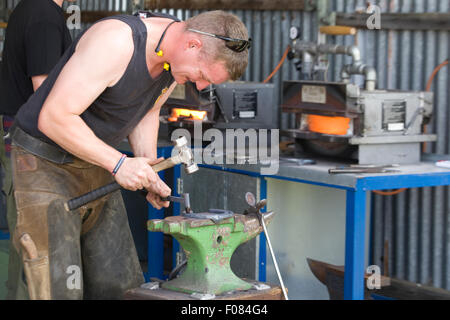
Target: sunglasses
237, 45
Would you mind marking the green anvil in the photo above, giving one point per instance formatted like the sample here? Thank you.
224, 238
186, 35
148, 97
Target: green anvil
208, 246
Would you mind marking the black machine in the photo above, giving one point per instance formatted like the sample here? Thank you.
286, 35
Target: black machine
232, 105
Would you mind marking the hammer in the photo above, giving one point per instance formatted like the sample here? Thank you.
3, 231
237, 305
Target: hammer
183, 156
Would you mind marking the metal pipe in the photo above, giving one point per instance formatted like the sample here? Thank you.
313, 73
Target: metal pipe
351, 51
187, 202
356, 67
307, 64
371, 78
368, 72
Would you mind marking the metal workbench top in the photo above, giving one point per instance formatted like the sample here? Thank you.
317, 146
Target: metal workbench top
422, 174
318, 174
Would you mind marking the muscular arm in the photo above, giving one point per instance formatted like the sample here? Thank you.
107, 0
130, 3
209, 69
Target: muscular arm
143, 141
100, 60
90, 70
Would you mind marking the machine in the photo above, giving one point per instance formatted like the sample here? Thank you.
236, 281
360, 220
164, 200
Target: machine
232, 105
340, 119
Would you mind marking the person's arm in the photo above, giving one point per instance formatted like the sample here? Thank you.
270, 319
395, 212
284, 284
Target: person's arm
44, 43
37, 81
143, 141
101, 58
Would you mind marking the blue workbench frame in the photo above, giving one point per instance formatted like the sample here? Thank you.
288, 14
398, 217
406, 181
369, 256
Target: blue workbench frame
155, 240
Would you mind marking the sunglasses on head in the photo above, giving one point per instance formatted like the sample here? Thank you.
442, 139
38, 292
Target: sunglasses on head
237, 45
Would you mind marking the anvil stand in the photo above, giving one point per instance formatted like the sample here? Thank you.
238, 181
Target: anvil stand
209, 239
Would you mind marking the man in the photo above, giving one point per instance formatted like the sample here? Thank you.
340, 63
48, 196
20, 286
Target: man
36, 38
109, 85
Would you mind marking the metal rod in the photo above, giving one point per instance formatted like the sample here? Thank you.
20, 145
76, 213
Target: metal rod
274, 259
187, 202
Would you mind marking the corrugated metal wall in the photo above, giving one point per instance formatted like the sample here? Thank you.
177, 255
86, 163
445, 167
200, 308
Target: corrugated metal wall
416, 223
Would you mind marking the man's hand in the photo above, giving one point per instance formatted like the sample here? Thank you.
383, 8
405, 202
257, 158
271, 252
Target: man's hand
137, 173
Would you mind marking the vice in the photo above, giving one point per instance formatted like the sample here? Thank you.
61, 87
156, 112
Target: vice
209, 240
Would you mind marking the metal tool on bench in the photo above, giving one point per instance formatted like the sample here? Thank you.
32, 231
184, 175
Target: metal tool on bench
298, 161
209, 239
255, 208
364, 169
184, 156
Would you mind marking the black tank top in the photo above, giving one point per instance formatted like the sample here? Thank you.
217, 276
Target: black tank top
117, 111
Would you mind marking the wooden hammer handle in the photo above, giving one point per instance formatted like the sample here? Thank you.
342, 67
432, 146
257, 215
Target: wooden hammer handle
163, 165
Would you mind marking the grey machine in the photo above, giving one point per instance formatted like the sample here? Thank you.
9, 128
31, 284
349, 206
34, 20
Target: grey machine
386, 126
247, 105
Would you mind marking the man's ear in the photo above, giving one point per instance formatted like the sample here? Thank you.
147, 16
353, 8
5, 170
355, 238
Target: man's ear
194, 43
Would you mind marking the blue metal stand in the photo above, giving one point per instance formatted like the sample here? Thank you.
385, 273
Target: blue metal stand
155, 240
176, 212
262, 236
355, 245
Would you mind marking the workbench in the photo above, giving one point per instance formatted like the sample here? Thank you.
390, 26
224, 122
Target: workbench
356, 186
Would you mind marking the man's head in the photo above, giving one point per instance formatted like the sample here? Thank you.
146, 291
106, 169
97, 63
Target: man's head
217, 42
222, 24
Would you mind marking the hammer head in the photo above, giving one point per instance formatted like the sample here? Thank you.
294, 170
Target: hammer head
185, 155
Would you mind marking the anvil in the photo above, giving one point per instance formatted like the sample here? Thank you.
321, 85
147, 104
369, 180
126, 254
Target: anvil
209, 245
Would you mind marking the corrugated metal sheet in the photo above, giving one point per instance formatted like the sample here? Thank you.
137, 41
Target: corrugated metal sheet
416, 223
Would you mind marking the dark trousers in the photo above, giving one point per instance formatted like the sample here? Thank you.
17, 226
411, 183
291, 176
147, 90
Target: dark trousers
87, 253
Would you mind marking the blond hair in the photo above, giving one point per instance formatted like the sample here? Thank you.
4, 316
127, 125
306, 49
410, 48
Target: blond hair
224, 24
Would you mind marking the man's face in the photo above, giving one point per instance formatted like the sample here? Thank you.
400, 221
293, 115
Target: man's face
192, 66
201, 73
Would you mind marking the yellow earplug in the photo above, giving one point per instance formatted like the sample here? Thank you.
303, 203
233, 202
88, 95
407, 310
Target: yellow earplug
166, 66
160, 53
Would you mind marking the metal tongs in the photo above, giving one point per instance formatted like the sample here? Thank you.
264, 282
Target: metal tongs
255, 209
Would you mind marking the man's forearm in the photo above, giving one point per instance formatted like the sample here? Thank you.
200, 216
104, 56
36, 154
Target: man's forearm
144, 138
73, 135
